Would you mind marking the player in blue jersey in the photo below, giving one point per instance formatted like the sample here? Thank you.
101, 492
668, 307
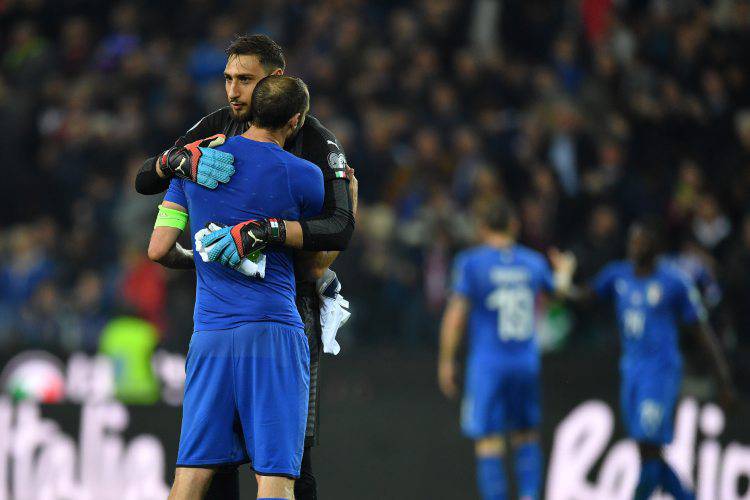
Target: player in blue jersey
495, 289
651, 300
246, 392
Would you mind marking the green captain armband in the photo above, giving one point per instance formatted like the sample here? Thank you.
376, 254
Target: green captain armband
169, 217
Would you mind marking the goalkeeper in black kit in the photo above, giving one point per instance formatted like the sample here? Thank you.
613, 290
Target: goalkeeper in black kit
249, 59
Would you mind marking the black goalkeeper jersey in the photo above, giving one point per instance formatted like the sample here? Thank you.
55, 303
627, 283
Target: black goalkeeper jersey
332, 229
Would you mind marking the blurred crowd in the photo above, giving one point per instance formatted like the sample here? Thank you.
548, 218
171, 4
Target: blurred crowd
587, 113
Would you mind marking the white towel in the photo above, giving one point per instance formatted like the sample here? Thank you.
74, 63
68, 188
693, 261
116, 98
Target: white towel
246, 267
333, 311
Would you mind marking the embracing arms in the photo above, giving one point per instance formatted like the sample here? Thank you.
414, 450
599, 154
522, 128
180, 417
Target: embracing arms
163, 247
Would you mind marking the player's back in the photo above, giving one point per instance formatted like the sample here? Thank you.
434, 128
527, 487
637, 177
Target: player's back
502, 286
649, 311
269, 183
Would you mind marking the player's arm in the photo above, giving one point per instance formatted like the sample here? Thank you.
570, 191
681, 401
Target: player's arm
305, 185
709, 342
190, 158
452, 330
331, 228
163, 247
564, 266
314, 264
695, 315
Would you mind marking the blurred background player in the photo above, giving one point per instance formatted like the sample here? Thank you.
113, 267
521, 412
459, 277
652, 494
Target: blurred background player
495, 288
651, 299
249, 59
247, 386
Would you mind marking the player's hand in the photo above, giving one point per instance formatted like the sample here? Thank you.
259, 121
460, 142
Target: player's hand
232, 243
564, 266
563, 262
353, 188
198, 162
447, 378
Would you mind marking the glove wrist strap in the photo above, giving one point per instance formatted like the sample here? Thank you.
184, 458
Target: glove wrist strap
164, 164
276, 231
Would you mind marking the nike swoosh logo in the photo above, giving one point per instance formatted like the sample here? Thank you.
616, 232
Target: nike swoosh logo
331, 142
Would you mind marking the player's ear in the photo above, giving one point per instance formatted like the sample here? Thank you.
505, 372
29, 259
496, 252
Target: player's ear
294, 121
277, 71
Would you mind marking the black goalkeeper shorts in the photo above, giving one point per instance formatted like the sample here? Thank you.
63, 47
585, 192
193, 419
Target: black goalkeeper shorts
308, 305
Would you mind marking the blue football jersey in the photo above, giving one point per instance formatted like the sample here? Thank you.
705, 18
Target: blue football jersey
502, 286
649, 311
698, 273
268, 182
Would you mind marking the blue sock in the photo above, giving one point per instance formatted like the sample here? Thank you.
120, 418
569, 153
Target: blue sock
649, 479
529, 469
491, 478
672, 484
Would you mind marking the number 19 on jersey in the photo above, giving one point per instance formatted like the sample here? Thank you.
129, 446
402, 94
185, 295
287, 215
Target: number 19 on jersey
515, 312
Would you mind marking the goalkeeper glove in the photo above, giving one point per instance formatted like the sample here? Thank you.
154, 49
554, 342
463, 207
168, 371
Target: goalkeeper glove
198, 162
232, 243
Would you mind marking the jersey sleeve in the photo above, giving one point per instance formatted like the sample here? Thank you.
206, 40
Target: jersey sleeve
306, 185
333, 227
689, 302
460, 278
176, 193
604, 282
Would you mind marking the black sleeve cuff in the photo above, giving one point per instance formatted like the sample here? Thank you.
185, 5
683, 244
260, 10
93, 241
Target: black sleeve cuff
147, 181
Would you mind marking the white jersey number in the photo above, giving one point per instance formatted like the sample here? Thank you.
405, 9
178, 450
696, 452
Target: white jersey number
515, 312
633, 322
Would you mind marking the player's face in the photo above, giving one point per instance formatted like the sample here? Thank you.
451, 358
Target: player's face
241, 75
640, 245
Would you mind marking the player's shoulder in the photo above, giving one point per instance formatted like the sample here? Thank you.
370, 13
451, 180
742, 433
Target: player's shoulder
299, 167
529, 255
300, 163
467, 254
619, 268
479, 253
223, 114
313, 129
320, 146
237, 144
673, 275
216, 119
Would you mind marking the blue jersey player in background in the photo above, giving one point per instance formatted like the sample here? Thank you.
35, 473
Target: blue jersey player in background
246, 392
652, 299
495, 289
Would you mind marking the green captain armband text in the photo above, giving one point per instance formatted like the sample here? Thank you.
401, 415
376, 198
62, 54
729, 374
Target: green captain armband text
169, 217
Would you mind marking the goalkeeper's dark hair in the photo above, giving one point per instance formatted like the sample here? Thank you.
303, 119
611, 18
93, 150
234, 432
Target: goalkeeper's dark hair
276, 99
269, 53
497, 214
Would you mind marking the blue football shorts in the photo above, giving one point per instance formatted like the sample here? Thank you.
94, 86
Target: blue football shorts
246, 396
500, 399
648, 400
